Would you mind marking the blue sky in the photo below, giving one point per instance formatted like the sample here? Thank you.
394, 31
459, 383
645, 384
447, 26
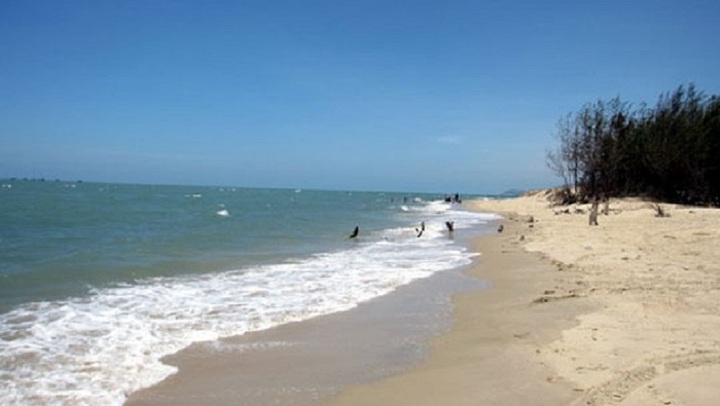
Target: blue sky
436, 96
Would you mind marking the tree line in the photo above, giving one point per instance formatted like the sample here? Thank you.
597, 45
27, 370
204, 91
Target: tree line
669, 152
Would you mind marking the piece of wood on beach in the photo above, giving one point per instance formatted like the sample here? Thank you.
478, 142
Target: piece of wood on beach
659, 211
592, 220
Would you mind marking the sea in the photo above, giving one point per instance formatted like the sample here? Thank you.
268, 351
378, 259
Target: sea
98, 282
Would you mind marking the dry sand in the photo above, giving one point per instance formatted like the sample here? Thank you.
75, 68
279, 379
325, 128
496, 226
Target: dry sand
623, 313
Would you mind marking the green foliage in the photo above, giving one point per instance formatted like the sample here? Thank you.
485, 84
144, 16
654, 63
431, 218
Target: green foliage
670, 152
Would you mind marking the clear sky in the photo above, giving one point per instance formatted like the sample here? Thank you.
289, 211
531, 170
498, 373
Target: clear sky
438, 96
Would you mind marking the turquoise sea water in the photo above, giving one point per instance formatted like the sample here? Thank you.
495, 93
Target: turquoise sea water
99, 281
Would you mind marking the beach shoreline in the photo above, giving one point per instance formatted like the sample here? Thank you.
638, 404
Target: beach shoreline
623, 313
304, 363
492, 354
487, 344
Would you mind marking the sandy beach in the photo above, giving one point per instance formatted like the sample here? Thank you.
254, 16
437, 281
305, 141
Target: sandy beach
623, 313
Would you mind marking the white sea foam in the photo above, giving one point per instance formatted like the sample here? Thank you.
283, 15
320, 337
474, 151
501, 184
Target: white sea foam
96, 349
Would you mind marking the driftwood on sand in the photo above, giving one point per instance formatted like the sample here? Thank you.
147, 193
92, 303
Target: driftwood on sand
593, 213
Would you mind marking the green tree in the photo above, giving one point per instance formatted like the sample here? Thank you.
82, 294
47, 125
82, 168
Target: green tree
670, 152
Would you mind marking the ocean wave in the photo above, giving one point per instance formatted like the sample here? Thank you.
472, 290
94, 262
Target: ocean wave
99, 348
